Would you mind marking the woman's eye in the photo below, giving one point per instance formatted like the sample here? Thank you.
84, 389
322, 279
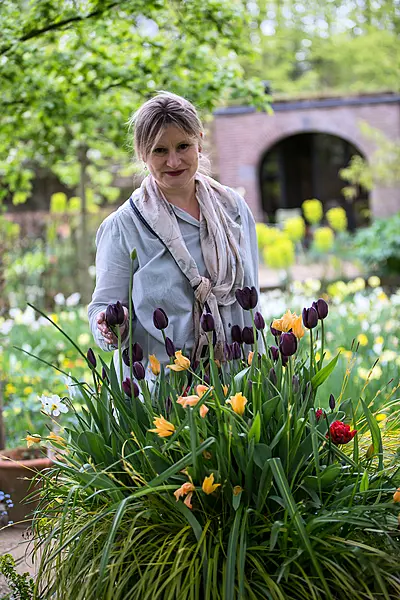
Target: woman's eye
159, 150
183, 146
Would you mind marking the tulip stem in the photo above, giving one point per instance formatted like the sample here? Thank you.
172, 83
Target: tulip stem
130, 340
311, 354
121, 372
322, 343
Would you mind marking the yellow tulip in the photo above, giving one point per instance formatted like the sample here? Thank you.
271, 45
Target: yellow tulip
250, 358
238, 402
181, 362
209, 486
154, 364
225, 389
297, 327
287, 320
163, 427
203, 411
186, 401
277, 324
396, 495
33, 439
237, 490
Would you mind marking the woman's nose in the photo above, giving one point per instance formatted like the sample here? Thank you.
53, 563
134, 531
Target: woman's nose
173, 160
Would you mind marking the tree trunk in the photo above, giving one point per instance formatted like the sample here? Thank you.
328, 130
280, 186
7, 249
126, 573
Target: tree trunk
83, 246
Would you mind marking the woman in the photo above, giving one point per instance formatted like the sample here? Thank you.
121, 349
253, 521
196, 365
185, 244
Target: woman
195, 241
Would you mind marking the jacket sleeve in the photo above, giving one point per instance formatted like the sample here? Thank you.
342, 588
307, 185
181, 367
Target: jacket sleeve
112, 274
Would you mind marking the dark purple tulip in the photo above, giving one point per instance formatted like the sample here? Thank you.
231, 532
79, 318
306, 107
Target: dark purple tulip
127, 386
288, 344
137, 354
285, 360
236, 333
321, 307
228, 351
170, 347
310, 317
125, 357
274, 352
248, 335
207, 322
272, 376
275, 332
206, 379
104, 374
160, 319
295, 383
247, 297
168, 405
91, 357
259, 321
138, 370
115, 314
236, 353
332, 402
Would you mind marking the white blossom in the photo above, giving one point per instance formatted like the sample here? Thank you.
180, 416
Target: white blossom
53, 405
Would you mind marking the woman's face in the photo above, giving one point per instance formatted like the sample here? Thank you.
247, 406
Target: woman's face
174, 160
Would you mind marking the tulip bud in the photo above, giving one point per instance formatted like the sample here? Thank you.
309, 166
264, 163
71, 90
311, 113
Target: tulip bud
168, 405
115, 314
259, 321
248, 335
370, 452
104, 374
128, 386
321, 307
310, 317
125, 357
332, 402
160, 319
236, 351
91, 358
275, 332
207, 322
274, 353
170, 347
228, 351
247, 297
272, 376
295, 383
288, 344
138, 370
236, 333
206, 379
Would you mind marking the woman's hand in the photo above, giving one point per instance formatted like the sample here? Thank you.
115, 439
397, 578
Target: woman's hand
105, 330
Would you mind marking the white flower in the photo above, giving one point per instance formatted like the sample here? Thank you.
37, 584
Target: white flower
84, 339
73, 388
53, 405
92, 271
59, 299
6, 326
73, 299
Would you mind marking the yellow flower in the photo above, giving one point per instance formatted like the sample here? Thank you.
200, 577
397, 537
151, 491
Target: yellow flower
84, 339
297, 327
10, 389
238, 402
396, 495
362, 339
287, 320
237, 490
383, 298
56, 438
181, 362
337, 218
202, 389
381, 417
295, 228
33, 439
163, 427
312, 210
209, 486
281, 255
225, 389
186, 401
250, 357
28, 390
379, 340
187, 490
323, 239
374, 281
154, 364
277, 324
203, 411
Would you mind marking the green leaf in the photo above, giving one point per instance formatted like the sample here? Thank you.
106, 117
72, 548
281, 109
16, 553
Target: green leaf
255, 429
375, 434
324, 373
231, 556
364, 483
262, 453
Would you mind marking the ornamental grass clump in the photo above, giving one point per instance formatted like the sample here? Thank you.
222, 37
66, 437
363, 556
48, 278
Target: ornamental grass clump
225, 481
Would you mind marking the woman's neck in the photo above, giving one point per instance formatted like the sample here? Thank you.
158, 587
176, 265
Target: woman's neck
185, 199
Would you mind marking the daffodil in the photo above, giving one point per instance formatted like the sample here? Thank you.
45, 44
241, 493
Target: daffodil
163, 427
154, 364
33, 439
187, 490
53, 405
238, 402
181, 363
203, 411
186, 401
209, 486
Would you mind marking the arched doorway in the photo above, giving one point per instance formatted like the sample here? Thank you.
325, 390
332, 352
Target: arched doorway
307, 165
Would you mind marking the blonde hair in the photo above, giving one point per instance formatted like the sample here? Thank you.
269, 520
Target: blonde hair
152, 118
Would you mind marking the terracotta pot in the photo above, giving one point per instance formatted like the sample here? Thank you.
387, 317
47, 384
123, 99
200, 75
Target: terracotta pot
16, 473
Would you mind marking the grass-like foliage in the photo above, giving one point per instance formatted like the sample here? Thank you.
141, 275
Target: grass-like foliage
152, 497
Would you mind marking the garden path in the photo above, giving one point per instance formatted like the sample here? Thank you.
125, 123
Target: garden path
16, 542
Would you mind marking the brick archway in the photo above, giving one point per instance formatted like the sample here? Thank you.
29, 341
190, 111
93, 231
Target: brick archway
242, 136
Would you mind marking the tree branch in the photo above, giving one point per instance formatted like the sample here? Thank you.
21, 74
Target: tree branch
54, 26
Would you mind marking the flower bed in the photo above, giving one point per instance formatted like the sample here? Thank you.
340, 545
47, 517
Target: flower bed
227, 481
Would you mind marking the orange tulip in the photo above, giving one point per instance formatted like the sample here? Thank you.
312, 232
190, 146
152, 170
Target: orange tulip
238, 402
396, 495
297, 327
163, 427
203, 411
154, 364
209, 486
186, 401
